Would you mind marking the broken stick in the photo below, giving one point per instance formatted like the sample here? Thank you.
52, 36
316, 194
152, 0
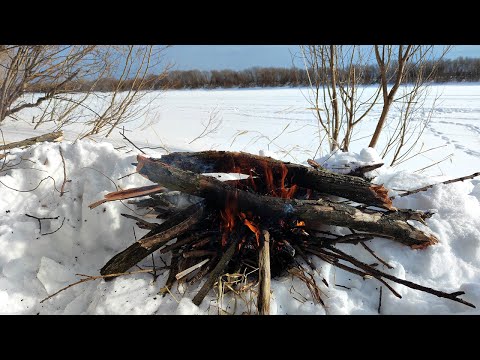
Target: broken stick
263, 300
50, 137
410, 192
128, 194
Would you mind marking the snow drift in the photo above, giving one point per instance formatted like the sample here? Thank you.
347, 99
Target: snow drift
35, 264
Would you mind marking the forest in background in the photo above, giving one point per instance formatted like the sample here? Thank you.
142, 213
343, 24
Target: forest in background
446, 70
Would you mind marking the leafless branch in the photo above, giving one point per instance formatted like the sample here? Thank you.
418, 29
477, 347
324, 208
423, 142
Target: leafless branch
64, 173
211, 126
424, 188
96, 277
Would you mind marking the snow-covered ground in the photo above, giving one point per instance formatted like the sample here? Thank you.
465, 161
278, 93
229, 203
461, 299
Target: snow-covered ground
35, 264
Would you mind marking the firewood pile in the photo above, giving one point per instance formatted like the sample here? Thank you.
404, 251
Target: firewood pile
274, 217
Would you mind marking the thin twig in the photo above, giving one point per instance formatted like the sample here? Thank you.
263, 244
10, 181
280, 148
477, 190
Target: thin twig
380, 300
155, 276
436, 163
185, 272
35, 188
211, 126
410, 192
300, 252
43, 218
142, 224
49, 233
309, 281
374, 272
375, 255
96, 277
64, 173
124, 176
135, 146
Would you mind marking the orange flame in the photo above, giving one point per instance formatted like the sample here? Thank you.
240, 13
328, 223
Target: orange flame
228, 216
269, 179
252, 226
282, 192
231, 211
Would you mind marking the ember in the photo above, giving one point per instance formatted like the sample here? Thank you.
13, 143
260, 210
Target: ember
271, 221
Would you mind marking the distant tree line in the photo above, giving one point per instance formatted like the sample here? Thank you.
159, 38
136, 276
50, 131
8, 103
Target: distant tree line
447, 70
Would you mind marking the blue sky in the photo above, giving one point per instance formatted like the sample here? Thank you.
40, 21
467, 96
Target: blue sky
237, 57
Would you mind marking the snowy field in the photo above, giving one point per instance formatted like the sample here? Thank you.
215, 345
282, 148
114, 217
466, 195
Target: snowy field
35, 264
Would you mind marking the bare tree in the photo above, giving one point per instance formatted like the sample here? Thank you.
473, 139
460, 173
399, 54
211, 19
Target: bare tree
407, 57
337, 97
58, 82
337, 75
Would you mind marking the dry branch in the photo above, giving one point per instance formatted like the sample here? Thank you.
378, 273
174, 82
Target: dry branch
379, 274
191, 269
96, 277
424, 188
171, 228
64, 173
263, 300
376, 256
50, 137
128, 193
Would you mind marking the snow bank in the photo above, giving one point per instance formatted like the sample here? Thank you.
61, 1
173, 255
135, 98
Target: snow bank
35, 264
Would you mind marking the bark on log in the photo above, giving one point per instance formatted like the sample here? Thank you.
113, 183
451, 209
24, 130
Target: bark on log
51, 137
320, 179
171, 228
314, 213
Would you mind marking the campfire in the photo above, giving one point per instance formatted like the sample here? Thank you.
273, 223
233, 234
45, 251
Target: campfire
275, 217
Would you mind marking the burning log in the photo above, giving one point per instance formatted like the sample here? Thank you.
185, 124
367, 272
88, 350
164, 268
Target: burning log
319, 179
313, 213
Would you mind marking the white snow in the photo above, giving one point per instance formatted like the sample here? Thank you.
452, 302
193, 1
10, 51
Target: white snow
34, 264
